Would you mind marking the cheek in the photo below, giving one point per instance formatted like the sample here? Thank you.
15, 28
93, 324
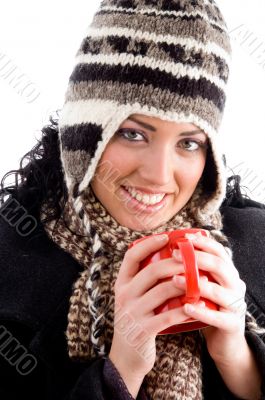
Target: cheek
112, 165
192, 172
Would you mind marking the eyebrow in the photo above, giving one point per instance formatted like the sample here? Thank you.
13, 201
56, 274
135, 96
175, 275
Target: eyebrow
152, 128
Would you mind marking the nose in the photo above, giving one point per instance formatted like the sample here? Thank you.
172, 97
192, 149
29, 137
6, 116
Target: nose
157, 167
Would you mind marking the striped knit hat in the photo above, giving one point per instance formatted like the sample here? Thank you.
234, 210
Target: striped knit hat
167, 59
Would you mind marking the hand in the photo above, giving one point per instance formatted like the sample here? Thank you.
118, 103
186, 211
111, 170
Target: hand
137, 294
227, 325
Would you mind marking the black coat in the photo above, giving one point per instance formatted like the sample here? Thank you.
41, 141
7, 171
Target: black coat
35, 285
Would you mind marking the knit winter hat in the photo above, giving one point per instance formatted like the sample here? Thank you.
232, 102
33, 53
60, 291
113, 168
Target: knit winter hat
167, 59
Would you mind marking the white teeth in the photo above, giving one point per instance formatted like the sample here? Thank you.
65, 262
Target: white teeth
138, 197
145, 198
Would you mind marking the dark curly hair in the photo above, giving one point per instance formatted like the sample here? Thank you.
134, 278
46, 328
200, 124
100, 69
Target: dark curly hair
40, 177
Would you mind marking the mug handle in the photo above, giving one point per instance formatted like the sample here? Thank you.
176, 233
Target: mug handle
191, 270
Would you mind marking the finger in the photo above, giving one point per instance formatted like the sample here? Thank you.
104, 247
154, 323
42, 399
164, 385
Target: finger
137, 253
225, 298
225, 321
158, 295
164, 320
209, 245
152, 273
223, 273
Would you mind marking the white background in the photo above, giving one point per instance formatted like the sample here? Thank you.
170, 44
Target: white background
40, 40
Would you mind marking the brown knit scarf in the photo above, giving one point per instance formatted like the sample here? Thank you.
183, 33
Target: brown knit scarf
177, 373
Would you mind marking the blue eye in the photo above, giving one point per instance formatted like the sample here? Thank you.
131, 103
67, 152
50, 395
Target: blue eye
198, 143
131, 136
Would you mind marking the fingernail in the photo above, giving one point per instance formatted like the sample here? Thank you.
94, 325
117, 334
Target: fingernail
176, 254
179, 280
191, 236
189, 308
199, 234
161, 238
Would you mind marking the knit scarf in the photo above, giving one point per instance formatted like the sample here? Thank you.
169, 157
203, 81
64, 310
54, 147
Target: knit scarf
177, 372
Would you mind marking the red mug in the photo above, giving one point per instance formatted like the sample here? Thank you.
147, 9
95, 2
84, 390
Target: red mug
177, 240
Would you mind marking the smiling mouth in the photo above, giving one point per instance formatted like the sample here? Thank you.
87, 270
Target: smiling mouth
137, 205
145, 198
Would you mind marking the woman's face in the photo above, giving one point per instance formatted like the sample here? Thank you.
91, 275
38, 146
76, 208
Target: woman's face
157, 161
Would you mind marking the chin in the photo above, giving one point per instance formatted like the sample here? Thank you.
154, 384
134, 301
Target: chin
146, 225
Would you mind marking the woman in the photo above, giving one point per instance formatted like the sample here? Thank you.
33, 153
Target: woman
135, 152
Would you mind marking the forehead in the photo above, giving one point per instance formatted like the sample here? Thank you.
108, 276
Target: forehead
155, 124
